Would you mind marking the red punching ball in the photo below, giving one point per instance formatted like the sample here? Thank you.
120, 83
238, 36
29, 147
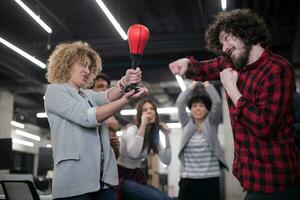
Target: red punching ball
138, 36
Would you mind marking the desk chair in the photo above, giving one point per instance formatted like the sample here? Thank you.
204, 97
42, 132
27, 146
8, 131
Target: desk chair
19, 190
18, 187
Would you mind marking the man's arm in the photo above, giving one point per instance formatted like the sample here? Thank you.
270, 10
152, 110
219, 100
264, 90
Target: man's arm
206, 70
273, 104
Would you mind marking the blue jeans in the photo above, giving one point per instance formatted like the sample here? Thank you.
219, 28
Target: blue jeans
107, 194
135, 191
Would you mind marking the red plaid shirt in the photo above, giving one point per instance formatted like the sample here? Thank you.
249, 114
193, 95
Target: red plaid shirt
265, 155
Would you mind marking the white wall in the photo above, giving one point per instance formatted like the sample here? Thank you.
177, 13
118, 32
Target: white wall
173, 169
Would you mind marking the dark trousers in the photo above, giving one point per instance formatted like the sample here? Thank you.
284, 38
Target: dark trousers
291, 193
199, 189
107, 194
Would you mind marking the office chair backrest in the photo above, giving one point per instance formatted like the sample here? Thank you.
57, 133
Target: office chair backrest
18, 187
19, 190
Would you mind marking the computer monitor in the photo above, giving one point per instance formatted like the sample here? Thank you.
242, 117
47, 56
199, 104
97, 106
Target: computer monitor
5, 153
45, 161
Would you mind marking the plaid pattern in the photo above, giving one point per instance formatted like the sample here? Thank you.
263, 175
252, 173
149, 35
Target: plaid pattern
265, 155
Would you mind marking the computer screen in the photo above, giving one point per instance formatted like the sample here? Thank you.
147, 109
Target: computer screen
5, 153
45, 161
22, 162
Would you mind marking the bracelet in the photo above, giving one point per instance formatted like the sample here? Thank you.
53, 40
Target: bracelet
122, 82
120, 86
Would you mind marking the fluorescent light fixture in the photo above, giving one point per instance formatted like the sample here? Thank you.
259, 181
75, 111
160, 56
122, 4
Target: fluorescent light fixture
48, 145
128, 112
162, 139
174, 125
167, 110
22, 53
180, 82
119, 133
224, 4
22, 142
112, 19
163, 165
41, 115
28, 135
17, 124
34, 16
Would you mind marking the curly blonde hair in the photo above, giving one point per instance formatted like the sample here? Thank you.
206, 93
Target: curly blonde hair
65, 55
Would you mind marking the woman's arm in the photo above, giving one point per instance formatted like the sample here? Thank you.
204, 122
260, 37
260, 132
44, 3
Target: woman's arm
181, 103
165, 154
134, 142
105, 111
216, 107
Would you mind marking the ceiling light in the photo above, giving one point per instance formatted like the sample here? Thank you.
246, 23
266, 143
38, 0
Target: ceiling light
119, 133
167, 110
34, 16
162, 139
112, 19
22, 142
180, 82
174, 125
128, 112
17, 124
41, 115
22, 53
28, 135
224, 4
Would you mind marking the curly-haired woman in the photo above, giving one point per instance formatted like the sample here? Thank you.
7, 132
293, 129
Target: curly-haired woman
84, 164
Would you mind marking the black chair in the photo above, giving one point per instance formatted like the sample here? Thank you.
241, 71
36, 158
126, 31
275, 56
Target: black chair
19, 190
18, 187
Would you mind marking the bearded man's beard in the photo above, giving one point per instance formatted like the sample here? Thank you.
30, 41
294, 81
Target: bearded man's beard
241, 60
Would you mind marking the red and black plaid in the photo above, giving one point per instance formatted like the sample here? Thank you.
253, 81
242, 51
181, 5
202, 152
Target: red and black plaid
265, 155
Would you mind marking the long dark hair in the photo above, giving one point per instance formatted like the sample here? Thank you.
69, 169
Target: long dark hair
151, 137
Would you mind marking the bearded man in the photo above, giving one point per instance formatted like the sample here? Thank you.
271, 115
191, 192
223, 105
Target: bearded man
260, 90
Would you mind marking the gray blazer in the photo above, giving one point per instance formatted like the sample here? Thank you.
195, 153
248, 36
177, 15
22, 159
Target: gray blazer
76, 142
210, 124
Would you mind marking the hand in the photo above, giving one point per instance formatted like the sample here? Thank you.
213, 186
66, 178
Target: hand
131, 95
113, 124
145, 119
133, 76
192, 85
179, 66
115, 143
165, 127
206, 83
229, 78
